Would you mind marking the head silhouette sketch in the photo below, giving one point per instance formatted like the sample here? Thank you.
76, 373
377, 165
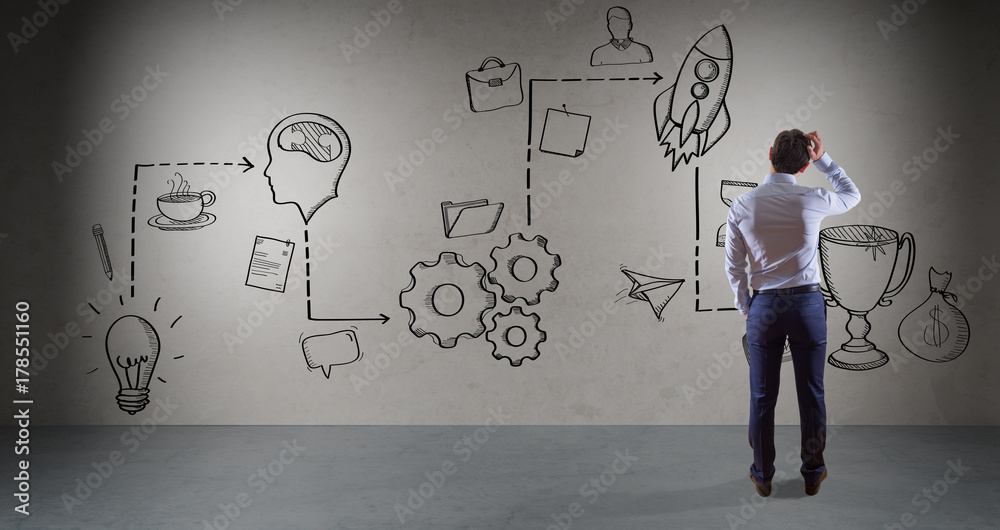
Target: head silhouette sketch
619, 22
307, 154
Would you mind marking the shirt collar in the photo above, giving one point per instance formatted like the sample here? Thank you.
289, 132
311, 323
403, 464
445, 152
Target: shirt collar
622, 44
779, 178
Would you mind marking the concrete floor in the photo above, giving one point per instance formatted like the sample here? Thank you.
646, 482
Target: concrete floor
606, 477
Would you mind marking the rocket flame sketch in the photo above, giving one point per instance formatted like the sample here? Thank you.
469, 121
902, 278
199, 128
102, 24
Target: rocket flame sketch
691, 115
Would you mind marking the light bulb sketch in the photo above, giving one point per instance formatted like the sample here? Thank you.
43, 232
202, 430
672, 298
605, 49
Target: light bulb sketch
133, 346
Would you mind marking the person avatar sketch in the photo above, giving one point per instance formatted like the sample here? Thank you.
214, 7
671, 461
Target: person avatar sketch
307, 154
622, 49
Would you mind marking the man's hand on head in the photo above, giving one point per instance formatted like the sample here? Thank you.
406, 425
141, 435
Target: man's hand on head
816, 149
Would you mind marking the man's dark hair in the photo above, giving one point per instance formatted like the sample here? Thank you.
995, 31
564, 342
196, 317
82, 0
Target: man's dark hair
790, 152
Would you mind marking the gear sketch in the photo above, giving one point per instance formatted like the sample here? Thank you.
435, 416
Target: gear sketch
524, 269
515, 336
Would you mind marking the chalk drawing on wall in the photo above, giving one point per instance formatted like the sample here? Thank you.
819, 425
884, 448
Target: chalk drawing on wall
446, 299
524, 269
470, 218
564, 133
691, 115
859, 266
325, 351
936, 330
729, 190
515, 336
182, 209
621, 49
102, 250
657, 292
270, 262
494, 85
307, 155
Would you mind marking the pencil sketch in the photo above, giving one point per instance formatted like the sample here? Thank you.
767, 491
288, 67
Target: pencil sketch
325, 351
691, 115
470, 218
858, 263
182, 209
270, 262
307, 155
936, 330
132, 346
564, 133
729, 190
102, 249
494, 87
657, 292
446, 299
515, 336
524, 268
621, 49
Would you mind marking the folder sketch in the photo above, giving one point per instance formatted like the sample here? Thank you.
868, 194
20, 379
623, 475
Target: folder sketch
564, 133
470, 218
269, 264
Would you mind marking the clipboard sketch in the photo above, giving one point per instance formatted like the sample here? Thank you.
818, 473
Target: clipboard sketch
269, 264
470, 218
564, 133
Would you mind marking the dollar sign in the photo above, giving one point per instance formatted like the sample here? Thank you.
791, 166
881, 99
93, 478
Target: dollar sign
936, 333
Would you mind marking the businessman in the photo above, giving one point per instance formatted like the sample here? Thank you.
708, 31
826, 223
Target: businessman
774, 229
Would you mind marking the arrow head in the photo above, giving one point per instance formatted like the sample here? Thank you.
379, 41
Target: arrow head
655, 79
384, 318
249, 164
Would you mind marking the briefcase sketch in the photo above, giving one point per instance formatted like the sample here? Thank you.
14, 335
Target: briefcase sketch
494, 87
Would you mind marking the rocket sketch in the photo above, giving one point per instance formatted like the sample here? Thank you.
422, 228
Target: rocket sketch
691, 115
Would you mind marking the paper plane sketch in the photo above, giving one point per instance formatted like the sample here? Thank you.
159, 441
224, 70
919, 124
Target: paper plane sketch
656, 291
269, 263
729, 190
691, 115
564, 133
307, 155
622, 49
494, 87
470, 218
936, 330
323, 352
183, 209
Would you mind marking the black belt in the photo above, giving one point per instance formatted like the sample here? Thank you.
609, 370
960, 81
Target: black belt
791, 290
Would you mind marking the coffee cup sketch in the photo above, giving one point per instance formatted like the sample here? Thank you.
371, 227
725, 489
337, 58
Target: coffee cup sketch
183, 207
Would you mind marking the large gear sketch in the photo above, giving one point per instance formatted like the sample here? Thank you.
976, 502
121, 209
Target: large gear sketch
515, 336
451, 298
524, 269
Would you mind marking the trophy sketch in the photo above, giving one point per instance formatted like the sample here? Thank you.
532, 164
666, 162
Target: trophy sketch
858, 263
729, 190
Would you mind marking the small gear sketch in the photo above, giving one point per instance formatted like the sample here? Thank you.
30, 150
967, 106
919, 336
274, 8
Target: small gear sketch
524, 269
515, 336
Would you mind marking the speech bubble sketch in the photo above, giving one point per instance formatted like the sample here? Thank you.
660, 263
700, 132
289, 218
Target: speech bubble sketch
307, 154
332, 349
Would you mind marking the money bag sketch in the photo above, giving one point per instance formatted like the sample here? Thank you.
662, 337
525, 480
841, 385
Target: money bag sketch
936, 330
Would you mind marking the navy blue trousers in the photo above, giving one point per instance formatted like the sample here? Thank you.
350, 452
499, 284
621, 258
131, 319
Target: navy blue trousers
801, 318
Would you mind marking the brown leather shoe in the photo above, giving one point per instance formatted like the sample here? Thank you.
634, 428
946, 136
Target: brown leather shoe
763, 491
815, 489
